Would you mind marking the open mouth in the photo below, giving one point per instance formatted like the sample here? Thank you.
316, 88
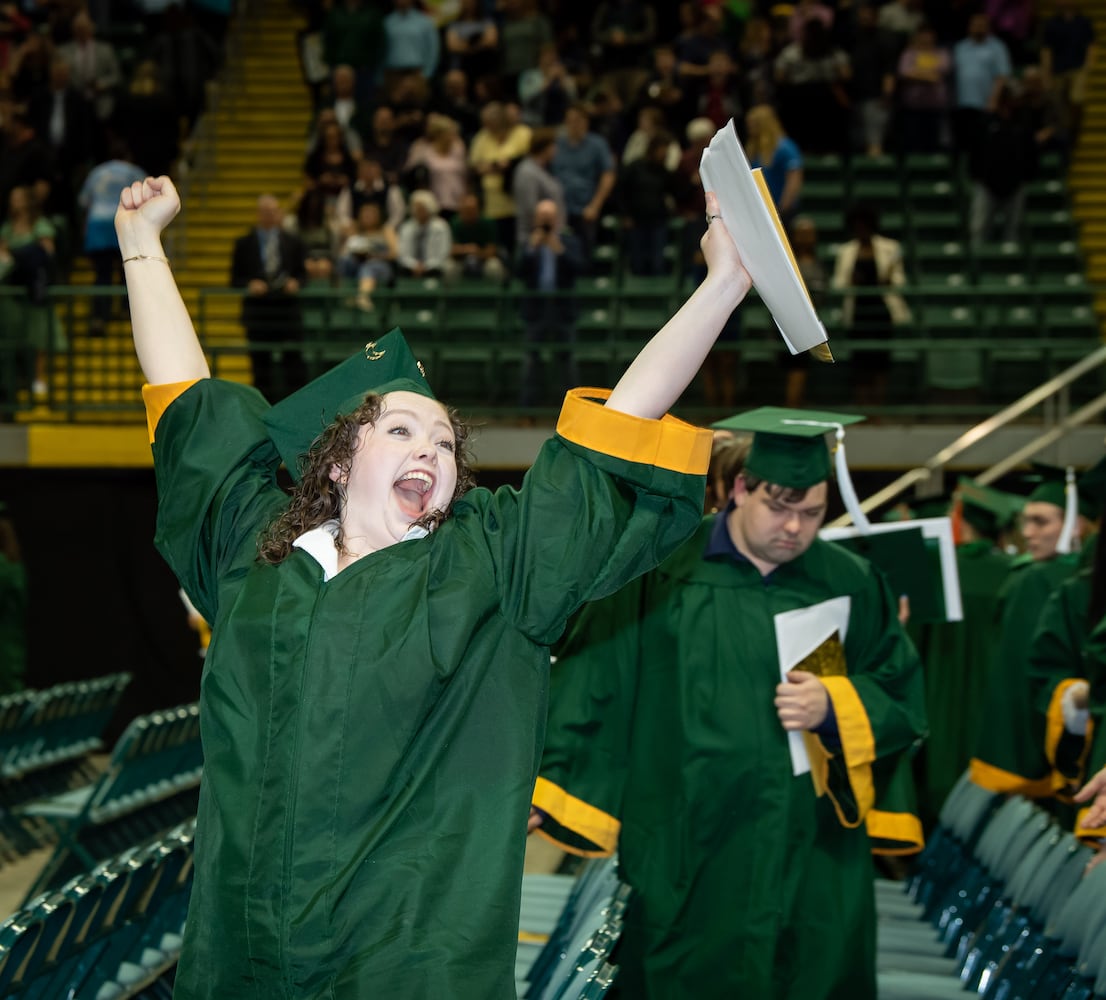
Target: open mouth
413, 490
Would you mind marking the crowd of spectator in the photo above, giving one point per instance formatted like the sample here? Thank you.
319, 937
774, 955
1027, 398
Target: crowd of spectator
502, 105
605, 110
90, 98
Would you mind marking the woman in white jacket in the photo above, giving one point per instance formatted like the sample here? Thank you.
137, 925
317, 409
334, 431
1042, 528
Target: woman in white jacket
869, 259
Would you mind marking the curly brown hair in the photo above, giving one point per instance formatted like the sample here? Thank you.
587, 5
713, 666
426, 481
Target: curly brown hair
317, 498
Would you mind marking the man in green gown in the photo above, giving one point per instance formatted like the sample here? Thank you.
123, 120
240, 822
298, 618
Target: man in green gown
675, 738
1010, 731
957, 655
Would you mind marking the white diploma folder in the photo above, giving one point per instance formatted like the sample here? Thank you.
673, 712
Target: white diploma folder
751, 218
798, 634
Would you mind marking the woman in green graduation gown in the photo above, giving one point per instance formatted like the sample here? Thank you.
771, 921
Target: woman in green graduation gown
374, 696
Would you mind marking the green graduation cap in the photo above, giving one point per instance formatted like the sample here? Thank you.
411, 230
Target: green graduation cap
986, 509
382, 365
1092, 488
1048, 484
789, 446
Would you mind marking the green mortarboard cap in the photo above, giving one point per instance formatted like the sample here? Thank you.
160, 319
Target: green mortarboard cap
789, 446
382, 365
986, 509
1092, 488
935, 506
1048, 484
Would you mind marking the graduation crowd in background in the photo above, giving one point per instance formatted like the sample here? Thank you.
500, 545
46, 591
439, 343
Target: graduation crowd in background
604, 112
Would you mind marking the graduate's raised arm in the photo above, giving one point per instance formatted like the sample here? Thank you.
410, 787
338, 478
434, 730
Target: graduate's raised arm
164, 338
667, 364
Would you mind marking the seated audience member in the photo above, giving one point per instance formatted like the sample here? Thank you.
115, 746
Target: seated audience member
546, 91
325, 118
330, 166
645, 189
771, 149
874, 53
424, 239
923, 93
369, 253
804, 245
811, 79
870, 260
384, 144
343, 102
27, 262
474, 253
453, 101
313, 223
663, 88
94, 65
495, 151
370, 185
650, 122
472, 42
533, 182
1002, 164
441, 156
548, 264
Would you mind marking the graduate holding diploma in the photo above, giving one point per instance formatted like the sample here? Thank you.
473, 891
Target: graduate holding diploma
374, 692
727, 723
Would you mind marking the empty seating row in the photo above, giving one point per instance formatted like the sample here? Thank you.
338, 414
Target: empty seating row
1001, 904
575, 962
150, 783
108, 934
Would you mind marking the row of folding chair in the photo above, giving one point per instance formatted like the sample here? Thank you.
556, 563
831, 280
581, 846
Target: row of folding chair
45, 739
1001, 905
150, 783
575, 962
107, 935
41, 728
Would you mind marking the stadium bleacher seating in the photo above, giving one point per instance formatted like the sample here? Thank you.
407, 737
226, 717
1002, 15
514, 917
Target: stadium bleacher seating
999, 906
150, 783
110, 934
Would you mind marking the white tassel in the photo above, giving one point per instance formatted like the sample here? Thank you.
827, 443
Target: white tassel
1066, 541
844, 480
846, 489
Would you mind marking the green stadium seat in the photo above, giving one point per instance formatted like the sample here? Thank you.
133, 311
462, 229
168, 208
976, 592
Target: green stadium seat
928, 166
826, 167
1071, 321
940, 258
933, 196
953, 369
884, 195
865, 169
1047, 196
1014, 288
822, 195
1020, 320
606, 259
937, 226
1054, 260
944, 320
1051, 226
996, 259
830, 225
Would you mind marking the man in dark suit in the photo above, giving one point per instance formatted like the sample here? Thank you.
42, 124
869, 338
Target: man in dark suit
270, 264
548, 265
63, 119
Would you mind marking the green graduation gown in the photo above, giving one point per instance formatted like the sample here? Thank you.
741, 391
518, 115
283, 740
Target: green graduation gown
1010, 731
664, 741
371, 742
1057, 657
956, 657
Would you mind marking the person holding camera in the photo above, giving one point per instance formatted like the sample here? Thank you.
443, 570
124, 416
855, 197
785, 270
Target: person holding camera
270, 264
548, 265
